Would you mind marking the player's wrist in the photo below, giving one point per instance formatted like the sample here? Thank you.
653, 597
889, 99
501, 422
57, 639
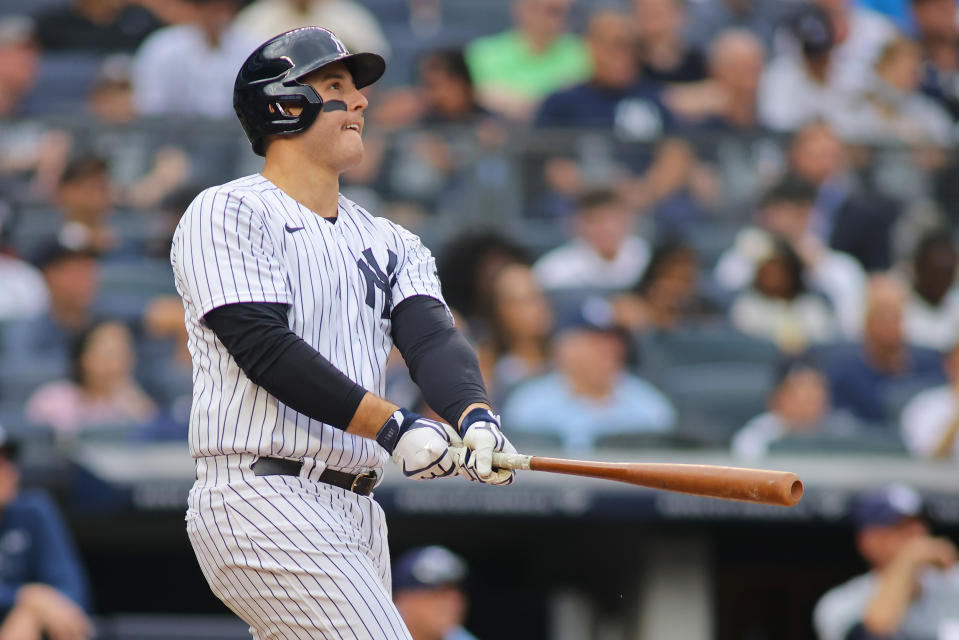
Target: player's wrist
394, 428
479, 414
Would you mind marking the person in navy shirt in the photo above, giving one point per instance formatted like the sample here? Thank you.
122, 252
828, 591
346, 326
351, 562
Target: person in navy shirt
652, 161
43, 587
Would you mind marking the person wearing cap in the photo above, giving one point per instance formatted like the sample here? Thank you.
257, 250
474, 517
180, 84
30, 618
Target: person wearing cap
912, 587
72, 281
43, 586
797, 87
428, 593
590, 393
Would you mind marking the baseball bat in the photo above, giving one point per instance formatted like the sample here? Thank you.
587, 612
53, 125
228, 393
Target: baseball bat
781, 488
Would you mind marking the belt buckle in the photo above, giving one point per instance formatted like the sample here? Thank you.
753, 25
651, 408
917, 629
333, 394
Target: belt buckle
359, 484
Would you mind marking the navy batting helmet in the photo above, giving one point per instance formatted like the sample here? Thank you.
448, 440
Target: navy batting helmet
272, 74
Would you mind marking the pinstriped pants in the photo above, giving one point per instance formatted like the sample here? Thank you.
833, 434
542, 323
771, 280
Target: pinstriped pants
294, 558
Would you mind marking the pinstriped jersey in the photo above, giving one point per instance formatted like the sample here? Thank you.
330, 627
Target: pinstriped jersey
248, 241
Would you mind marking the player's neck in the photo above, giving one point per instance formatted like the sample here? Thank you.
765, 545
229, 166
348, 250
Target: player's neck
315, 189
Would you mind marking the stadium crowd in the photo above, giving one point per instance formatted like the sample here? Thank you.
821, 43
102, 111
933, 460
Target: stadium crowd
703, 223
712, 223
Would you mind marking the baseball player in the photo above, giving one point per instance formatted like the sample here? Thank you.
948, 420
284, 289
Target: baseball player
294, 297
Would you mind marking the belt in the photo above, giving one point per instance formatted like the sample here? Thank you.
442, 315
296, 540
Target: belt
359, 483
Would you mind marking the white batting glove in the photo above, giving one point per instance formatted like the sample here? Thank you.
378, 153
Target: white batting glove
420, 447
482, 436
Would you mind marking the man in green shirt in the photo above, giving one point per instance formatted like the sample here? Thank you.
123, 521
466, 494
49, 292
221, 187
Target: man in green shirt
515, 69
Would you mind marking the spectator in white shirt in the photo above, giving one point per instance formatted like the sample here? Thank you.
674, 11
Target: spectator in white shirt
604, 254
23, 292
932, 312
350, 21
785, 211
189, 69
930, 421
797, 87
798, 406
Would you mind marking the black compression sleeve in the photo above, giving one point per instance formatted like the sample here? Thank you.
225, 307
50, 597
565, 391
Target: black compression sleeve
441, 362
257, 336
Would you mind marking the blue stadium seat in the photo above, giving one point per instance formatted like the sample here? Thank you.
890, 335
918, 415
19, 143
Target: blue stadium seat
877, 441
638, 441
63, 82
34, 227
171, 627
714, 400
703, 345
20, 376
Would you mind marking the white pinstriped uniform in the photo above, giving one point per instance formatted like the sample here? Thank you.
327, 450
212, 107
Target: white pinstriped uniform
293, 557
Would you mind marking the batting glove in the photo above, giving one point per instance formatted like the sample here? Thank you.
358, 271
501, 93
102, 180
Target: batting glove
421, 447
482, 436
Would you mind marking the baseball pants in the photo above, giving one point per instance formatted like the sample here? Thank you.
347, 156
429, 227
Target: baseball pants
296, 559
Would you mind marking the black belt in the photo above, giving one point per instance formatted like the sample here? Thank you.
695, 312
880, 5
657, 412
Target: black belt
360, 483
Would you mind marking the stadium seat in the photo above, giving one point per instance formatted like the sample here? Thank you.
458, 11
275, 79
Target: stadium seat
882, 441
63, 82
21, 375
636, 441
896, 395
714, 400
534, 442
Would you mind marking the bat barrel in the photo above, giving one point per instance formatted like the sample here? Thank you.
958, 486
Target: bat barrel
729, 483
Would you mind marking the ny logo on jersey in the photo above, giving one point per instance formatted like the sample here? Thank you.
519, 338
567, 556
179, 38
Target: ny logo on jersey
377, 279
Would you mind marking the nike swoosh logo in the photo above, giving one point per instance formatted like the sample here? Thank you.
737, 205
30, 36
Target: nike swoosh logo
292, 229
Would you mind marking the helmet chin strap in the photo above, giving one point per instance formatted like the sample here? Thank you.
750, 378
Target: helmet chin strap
333, 105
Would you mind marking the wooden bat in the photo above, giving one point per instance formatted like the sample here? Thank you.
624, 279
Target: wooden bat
729, 483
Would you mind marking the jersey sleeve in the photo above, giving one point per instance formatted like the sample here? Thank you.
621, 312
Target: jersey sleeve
223, 254
417, 274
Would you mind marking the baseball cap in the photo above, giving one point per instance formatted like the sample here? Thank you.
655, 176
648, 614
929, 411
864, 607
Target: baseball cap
55, 251
428, 568
811, 27
590, 312
887, 506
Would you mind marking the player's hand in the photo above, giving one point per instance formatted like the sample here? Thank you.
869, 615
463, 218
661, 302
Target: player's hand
482, 436
422, 446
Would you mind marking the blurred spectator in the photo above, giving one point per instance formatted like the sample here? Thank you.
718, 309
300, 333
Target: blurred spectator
707, 19
189, 69
932, 313
72, 280
777, 306
605, 254
100, 26
86, 197
851, 219
438, 164
19, 63
785, 211
519, 320
428, 592
670, 294
466, 267
101, 390
937, 25
590, 394
860, 34
650, 164
735, 67
43, 586
23, 294
352, 23
164, 223
891, 110
799, 86
930, 421
798, 406
663, 53
515, 69
860, 377
912, 586
111, 98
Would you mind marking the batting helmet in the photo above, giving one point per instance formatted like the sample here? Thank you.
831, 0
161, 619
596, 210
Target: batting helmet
272, 74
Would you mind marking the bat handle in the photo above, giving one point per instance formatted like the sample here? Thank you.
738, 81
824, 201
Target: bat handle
500, 460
